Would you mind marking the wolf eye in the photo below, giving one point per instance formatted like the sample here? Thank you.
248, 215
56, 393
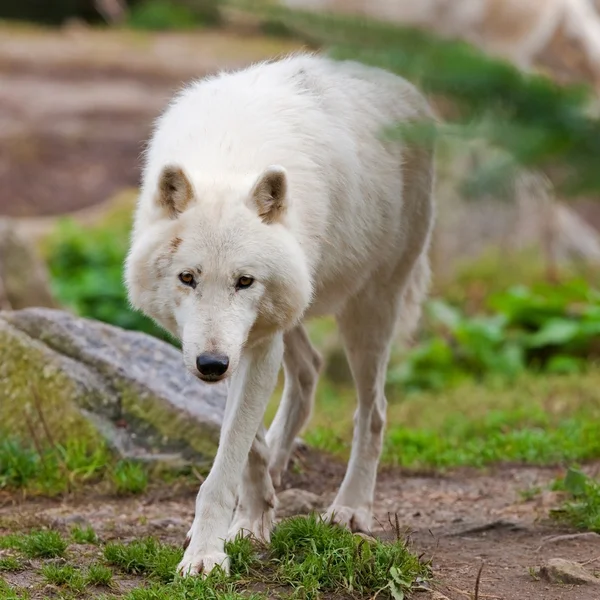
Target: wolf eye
244, 282
187, 279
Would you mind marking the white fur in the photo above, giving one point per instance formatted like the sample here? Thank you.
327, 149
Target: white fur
347, 236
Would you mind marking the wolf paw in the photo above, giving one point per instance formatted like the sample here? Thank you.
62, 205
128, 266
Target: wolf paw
198, 562
355, 519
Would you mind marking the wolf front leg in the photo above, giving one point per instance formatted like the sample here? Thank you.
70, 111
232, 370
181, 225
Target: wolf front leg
249, 393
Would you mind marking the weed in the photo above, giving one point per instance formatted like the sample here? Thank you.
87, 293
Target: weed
66, 576
44, 543
85, 535
313, 556
98, 574
10, 563
582, 510
129, 478
147, 556
9, 593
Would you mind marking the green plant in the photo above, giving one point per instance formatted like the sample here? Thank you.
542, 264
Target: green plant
99, 575
582, 510
147, 556
64, 576
86, 269
174, 14
10, 563
548, 328
52, 470
85, 535
129, 478
43, 543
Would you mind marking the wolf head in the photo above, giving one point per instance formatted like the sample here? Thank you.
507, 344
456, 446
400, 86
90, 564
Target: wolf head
217, 265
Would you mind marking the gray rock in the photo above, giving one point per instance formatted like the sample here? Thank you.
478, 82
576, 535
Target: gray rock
298, 502
71, 376
559, 570
23, 276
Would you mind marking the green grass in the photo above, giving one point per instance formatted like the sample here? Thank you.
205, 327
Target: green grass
99, 575
10, 564
53, 471
306, 556
43, 543
129, 478
144, 557
553, 419
582, 509
65, 576
84, 535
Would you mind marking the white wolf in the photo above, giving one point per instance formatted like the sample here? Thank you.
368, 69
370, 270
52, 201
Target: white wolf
270, 196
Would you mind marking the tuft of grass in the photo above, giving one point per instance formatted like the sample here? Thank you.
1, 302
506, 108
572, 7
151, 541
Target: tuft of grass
66, 576
10, 563
314, 556
582, 510
51, 471
243, 556
147, 556
129, 478
214, 587
85, 535
9, 593
99, 575
44, 543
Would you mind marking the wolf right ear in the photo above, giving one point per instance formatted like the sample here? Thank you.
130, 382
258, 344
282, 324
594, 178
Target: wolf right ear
174, 191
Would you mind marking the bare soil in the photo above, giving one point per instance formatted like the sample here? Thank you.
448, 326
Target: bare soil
460, 520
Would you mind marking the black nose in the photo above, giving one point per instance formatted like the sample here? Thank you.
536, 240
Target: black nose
212, 365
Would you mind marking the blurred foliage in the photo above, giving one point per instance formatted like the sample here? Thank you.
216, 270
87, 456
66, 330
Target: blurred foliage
143, 14
582, 510
173, 14
536, 122
544, 327
86, 270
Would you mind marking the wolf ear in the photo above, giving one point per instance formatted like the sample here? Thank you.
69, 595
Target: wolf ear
174, 191
269, 194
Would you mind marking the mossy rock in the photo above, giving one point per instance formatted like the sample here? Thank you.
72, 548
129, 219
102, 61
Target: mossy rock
73, 377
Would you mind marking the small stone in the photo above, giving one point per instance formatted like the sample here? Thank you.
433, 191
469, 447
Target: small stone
298, 502
559, 570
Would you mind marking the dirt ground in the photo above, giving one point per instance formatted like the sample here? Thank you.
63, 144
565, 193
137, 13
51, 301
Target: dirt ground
459, 520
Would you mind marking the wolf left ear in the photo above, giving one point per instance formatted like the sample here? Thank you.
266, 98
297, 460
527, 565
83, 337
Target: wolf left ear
174, 191
269, 194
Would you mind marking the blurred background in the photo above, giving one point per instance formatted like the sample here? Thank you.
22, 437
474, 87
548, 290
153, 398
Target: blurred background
504, 366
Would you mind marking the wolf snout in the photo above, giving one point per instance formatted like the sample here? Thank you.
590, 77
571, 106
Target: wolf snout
212, 366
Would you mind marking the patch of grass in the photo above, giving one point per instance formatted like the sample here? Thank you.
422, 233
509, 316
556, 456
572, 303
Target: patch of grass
43, 543
53, 470
59, 469
10, 563
99, 575
553, 419
66, 576
307, 556
582, 510
9, 593
313, 556
215, 587
129, 478
147, 556
84, 535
